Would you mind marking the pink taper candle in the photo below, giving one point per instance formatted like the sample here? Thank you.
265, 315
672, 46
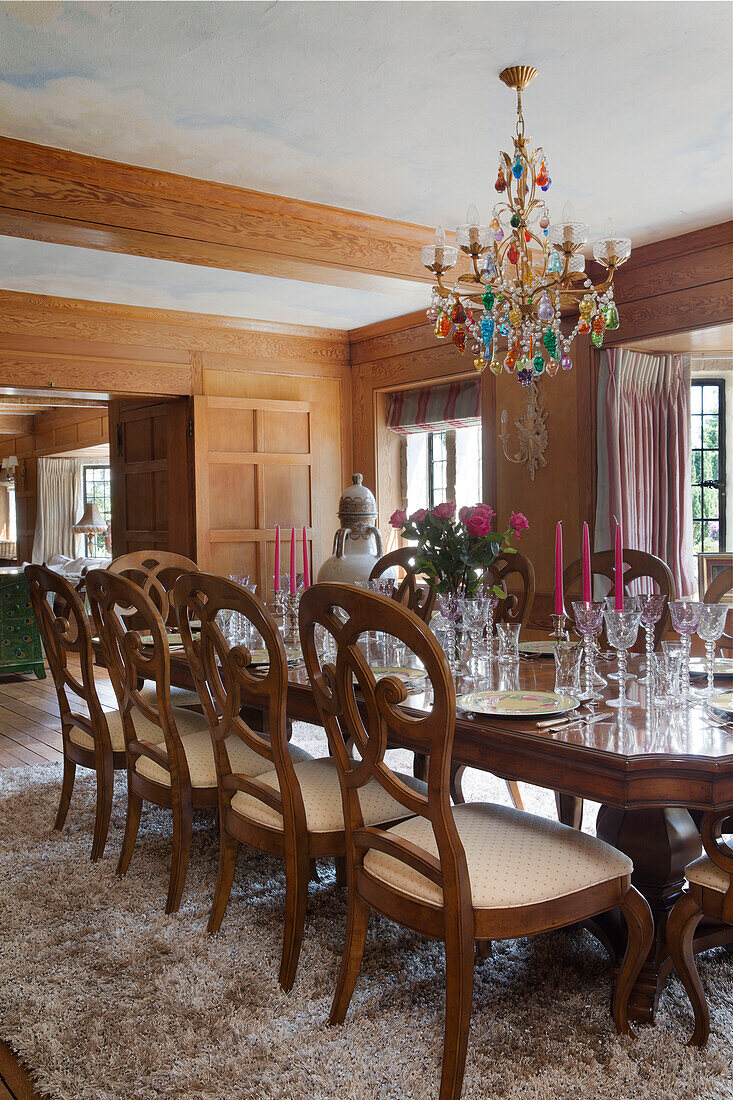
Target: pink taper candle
559, 603
293, 586
586, 565
306, 571
618, 574
276, 585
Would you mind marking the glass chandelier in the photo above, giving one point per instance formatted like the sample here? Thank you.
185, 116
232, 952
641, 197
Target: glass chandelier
526, 271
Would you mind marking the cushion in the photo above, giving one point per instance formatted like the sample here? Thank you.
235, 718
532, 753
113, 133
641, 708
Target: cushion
146, 731
704, 872
319, 784
180, 697
200, 756
514, 858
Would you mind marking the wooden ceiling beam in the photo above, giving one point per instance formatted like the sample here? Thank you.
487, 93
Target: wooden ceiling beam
64, 197
15, 425
22, 404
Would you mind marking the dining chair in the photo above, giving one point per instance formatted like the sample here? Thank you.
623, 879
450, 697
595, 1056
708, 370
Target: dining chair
156, 571
710, 894
638, 565
720, 586
477, 872
516, 607
91, 737
418, 595
174, 768
291, 805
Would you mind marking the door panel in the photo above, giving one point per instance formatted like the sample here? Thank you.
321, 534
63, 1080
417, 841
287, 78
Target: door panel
254, 469
151, 476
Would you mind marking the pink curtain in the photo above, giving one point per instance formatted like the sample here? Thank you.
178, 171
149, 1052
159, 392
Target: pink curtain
645, 402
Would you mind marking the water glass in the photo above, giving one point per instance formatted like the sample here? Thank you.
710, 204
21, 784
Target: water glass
651, 606
665, 671
508, 634
711, 627
622, 628
686, 615
567, 669
589, 623
474, 615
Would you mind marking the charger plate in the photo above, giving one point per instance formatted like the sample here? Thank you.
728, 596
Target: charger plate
259, 657
406, 675
722, 703
723, 668
538, 649
517, 704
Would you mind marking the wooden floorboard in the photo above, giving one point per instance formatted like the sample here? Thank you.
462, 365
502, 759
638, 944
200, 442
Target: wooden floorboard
15, 1078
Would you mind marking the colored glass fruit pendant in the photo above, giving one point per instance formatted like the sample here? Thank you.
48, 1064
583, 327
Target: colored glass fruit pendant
550, 342
545, 312
445, 324
552, 368
438, 330
495, 366
458, 314
542, 178
612, 321
555, 263
479, 364
538, 363
566, 362
514, 316
515, 221
488, 298
517, 167
586, 306
512, 253
597, 338
584, 327
458, 336
487, 329
524, 376
500, 184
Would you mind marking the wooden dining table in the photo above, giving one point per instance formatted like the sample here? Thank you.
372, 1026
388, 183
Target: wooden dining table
654, 771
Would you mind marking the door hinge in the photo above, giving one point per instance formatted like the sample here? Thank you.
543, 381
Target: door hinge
190, 427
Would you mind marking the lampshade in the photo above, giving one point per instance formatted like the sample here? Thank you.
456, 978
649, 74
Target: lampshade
10, 462
92, 521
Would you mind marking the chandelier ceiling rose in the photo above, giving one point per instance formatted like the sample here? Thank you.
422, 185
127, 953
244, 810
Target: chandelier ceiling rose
525, 270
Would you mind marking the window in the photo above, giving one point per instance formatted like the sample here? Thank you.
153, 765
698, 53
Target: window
707, 442
437, 468
97, 491
442, 465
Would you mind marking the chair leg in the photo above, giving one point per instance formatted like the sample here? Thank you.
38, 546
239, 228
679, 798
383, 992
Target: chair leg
132, 824
459, 963
456, 788
228, 848
296, 901
342, 875
514, 793
67, 786
420, 766
182, 830
639, 939
357, 922
681, 925
105, 792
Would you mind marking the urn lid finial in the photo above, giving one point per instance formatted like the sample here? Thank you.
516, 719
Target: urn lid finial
357, 503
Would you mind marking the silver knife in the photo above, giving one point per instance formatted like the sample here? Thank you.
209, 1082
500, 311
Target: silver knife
588, 719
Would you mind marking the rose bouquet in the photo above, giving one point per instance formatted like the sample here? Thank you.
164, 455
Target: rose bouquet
455, 553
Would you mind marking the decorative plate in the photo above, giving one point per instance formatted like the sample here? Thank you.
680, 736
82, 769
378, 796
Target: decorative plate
723, 703
259, 656
538, 649
723, 668
517, 704
406, 675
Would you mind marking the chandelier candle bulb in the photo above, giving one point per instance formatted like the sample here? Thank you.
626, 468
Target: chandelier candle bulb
618, 573
559, 596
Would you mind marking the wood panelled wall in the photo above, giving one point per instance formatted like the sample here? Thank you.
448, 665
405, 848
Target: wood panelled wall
54, 432
671, 286
76, 346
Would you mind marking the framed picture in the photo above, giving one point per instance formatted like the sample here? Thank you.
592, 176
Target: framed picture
708, 568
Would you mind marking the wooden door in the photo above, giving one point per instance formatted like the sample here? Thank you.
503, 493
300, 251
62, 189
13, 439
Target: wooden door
151, 475
254, 468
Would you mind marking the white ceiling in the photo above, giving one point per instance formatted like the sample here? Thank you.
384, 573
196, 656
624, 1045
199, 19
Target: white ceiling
390, 108
37, 267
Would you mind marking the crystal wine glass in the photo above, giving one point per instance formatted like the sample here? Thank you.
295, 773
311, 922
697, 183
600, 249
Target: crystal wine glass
710, 628
492, 602
622, 628
450, 609
474, 613
383, 586
589, 623
685, 620
631, 603
651, 605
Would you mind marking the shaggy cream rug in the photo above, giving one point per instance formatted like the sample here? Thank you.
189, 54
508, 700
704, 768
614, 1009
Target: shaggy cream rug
105, 998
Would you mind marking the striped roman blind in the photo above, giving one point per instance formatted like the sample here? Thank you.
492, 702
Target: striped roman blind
435, 408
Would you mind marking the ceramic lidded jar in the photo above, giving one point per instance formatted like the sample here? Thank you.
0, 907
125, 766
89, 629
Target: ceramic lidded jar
357, 545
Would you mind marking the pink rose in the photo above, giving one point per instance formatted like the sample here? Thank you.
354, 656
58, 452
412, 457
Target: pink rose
398, 518
478, 523
419, 515
464, 513
444, 511
518, 523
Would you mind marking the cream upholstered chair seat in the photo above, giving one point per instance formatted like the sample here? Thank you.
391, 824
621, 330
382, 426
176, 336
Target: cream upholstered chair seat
514, 858
703, 872
319, 785
180, 697
200, 754
146, 731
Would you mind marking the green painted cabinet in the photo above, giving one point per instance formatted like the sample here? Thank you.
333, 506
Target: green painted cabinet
20, 642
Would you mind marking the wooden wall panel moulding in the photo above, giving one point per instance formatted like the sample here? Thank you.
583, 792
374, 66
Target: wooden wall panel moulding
681, 311
57, 195
110, 375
